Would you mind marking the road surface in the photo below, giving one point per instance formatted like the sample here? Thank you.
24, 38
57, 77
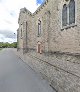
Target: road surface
16, 76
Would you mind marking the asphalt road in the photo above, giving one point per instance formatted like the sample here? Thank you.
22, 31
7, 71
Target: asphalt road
16, 76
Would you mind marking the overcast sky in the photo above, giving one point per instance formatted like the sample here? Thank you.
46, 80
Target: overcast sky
9, 12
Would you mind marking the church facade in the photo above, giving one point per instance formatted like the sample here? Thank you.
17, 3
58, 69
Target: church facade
54, 28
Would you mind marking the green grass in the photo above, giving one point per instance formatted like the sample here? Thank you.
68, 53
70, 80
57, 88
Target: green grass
0, 48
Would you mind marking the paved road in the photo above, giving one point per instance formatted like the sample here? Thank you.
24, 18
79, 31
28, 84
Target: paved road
16, 76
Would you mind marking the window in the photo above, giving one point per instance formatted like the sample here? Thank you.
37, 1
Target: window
21, 32
68, 13
64, 15
39, 27
71, 12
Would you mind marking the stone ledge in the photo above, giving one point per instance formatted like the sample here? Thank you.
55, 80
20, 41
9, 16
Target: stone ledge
69, 26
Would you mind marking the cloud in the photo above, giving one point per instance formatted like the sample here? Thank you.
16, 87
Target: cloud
9, 13
9, 10
1, 1
8, 34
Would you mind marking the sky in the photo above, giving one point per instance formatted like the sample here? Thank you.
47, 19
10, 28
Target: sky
9, 13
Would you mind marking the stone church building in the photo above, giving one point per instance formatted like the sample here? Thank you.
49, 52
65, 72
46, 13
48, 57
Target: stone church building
52, 34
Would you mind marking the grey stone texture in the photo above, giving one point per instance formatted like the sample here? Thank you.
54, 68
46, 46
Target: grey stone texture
59, 61
62, 71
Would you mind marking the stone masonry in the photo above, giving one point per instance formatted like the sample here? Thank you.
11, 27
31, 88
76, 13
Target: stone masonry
52, 50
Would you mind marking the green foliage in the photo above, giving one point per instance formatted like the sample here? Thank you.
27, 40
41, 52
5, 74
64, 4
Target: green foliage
8, 45
0, 48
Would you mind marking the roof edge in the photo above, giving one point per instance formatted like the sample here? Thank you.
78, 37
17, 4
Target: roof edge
24, 10
41, 7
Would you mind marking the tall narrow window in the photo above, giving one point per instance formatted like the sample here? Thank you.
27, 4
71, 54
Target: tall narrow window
72, 12
68, 13
26, 28
64, 15
21, 32
39, 27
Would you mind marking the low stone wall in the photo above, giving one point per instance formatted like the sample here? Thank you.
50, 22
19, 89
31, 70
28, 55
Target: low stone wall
61, 70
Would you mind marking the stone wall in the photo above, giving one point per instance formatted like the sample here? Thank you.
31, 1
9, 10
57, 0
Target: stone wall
53, 36
60, 61
61, 70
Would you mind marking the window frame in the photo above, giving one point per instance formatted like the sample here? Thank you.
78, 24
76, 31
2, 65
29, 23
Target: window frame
73, 24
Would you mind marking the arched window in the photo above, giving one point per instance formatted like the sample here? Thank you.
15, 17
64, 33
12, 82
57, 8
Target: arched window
21, 32
39, 27
72, 12
68, 13
64, 15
